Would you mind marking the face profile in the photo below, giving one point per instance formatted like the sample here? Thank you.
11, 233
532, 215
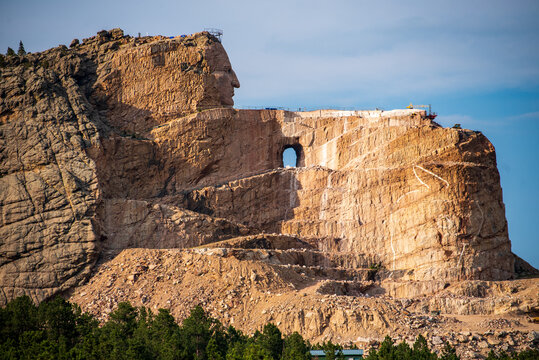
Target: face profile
221, 70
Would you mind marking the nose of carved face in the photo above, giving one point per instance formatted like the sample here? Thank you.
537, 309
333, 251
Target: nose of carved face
226, 81
235, 82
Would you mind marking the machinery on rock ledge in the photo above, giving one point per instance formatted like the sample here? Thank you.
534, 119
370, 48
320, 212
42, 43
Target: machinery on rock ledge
431, 115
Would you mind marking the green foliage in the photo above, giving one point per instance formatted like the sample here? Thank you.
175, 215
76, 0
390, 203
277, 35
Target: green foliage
254, 351
10, 52
493, 356
528, 355
449, 353
373, 270
19, 316
295, 348
213, 350
531, 354
58, 319
271, 340
332, 351
198, 329
236, 350
419, 351
57, 329
21, 51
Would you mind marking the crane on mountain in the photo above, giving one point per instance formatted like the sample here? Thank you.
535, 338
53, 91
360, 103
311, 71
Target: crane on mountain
431, 115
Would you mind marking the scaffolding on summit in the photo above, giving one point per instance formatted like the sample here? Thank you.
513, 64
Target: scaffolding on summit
218, 33
431, 115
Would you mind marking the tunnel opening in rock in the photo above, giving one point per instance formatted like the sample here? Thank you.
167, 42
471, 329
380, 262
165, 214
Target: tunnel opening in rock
291, 156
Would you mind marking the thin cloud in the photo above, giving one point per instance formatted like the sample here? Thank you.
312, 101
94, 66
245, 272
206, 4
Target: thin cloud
388, 50
465, 121
469, 122
400, 70
526, 116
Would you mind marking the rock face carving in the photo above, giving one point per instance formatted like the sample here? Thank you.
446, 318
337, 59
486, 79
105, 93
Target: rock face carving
124, 142
58, 109
146, 85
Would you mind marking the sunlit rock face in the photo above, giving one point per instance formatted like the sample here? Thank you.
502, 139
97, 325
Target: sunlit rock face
152, 83
420, 199
124, 142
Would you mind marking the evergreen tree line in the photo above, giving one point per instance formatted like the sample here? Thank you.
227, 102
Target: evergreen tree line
388, 350
57, 329
20, 52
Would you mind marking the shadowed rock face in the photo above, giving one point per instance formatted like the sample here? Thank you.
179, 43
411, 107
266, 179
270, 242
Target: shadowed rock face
132, 143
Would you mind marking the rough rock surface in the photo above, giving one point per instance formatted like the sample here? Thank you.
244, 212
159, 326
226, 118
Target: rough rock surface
60, 110
312, 293
120, 143
395, 184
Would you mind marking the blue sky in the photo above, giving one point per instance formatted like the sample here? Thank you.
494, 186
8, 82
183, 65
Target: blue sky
476, 62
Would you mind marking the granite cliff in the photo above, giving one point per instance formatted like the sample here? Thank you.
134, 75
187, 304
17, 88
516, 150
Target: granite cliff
127, 175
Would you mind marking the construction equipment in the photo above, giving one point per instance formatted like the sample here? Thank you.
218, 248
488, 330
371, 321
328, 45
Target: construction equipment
431, 115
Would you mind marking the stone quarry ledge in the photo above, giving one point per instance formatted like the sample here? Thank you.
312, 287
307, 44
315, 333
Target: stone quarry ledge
359, 113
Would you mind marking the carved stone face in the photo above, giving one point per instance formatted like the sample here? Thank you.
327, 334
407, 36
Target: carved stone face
221, 70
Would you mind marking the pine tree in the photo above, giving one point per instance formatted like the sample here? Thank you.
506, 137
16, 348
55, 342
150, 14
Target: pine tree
332, 351
10, 52
213, 351
271, 339
449, 353
197, 331
295, 348
21, 51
